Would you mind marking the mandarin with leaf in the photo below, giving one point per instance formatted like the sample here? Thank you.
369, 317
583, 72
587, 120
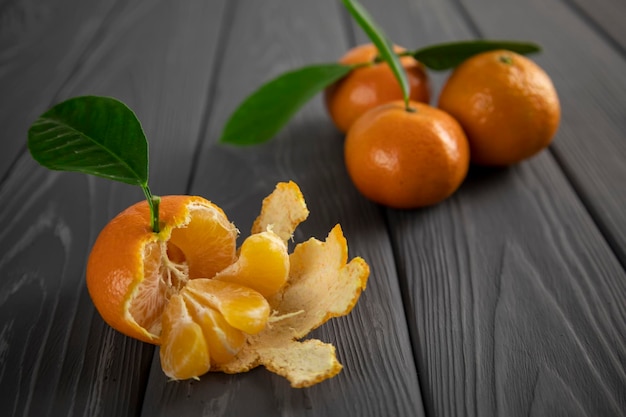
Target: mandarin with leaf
371, 85
159, 287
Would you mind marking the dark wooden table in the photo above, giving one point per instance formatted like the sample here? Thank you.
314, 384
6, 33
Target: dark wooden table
508, 299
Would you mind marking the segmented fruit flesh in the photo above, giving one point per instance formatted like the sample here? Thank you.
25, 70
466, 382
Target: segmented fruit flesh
205, 323
263, 264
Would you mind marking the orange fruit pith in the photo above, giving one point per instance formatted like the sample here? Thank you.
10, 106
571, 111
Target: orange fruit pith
507, 105
370, 86
406, 159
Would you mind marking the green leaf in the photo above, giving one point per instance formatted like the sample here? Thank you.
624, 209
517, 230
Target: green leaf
448, 55
93, 135
380, 40
268, 109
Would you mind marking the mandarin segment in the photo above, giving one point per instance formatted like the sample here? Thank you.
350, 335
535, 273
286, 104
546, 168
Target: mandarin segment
184, 353
243, 308
207, 241
223, 340
321, 286
263, 264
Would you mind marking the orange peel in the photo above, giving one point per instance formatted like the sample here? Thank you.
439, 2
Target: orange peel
211, 306
322, 284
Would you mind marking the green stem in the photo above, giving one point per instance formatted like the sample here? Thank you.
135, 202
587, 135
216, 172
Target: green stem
378, 59
153, 202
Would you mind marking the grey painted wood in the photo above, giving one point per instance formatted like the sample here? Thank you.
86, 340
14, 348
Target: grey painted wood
507, 299
516, 299
590, 145
57, 355
499, 277
38, 55
606, 17
379, 376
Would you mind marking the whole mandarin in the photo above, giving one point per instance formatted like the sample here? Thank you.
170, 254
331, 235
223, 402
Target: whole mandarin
406, 158
506, 104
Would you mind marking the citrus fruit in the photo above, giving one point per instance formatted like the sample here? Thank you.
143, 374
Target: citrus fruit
506, 104
132, 271
212, 307
406, 158
208, 318
372, 85
322, 284
262, 264
159, 287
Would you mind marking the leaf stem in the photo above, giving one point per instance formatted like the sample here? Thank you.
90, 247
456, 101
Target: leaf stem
379, 59
153, 202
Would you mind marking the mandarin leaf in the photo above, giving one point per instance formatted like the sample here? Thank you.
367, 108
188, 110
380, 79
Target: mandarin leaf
448, 55
382, 43
270, 107
95, 135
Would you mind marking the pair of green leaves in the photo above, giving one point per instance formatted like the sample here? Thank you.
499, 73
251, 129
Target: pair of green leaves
268, 109
101, 136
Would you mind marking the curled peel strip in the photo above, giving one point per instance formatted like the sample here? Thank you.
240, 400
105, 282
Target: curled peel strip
321, 285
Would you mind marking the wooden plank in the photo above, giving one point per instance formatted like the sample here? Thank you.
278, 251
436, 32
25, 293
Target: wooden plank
585, 68
605, 16
590, 145
517, 298
57, 355
38, 54
372, 342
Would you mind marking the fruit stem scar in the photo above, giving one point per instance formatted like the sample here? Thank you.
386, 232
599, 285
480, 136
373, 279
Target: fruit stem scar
505, 59
410, 109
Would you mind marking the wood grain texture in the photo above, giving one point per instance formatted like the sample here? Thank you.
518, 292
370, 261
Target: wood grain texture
41, 45
506, 300
590, 145
58, 357
517, 296
50, 365
517, 300
605, 16
379, 378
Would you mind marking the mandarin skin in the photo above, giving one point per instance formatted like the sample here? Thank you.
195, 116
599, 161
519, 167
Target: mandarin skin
506, 104
406, 159
372, 85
